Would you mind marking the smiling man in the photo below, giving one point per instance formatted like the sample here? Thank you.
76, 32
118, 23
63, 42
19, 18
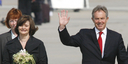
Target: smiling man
99, 45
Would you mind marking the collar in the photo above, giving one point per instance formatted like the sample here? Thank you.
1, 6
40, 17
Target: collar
104, 31
13, 36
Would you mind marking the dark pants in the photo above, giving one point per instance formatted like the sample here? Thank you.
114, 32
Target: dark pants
38, 16
25, 7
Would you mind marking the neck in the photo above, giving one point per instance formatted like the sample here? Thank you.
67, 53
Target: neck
24, 38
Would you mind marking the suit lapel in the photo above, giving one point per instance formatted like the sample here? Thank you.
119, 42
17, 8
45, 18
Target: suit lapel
31, 44
18, 44
15, 45
9, 36
28, 44
107, 42
94, 39
127, 53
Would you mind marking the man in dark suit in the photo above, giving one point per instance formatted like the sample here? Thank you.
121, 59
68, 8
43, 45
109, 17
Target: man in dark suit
99, 45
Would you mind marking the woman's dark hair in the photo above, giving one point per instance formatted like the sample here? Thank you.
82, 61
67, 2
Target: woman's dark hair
23, 19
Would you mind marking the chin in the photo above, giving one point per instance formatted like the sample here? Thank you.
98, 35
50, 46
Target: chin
23, 33
100, 28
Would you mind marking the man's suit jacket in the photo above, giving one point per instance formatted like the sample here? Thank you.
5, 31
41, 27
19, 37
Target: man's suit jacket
126, 62
33, 46
87, 41
4, 38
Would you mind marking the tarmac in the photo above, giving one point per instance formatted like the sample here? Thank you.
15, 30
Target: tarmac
48, 32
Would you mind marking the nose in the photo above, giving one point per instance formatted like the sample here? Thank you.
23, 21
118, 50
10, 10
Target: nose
14, 22
99, 20
23, 26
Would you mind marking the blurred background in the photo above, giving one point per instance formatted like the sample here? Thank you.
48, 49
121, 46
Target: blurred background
80, 13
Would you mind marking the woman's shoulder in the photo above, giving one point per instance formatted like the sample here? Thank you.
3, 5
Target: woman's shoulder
34, 39
36, 42
5, 34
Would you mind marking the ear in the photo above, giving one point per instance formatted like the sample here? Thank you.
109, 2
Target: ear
107, 18
92, 19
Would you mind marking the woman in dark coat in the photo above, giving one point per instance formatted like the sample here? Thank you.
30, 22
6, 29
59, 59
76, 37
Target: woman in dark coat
25, 29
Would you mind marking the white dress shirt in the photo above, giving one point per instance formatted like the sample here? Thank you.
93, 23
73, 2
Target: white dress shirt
13, 36
103, 35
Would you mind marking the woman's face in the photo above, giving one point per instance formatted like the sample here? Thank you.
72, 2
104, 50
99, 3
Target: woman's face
24, 29
13, 23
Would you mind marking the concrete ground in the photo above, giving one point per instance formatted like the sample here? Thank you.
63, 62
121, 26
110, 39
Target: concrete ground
61, 54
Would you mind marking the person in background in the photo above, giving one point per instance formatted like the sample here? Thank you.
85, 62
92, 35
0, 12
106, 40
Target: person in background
11, 22
0, 2
99, 45
25, 30
37, 10
25, 6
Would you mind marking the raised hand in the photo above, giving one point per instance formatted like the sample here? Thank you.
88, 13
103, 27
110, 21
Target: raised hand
63, 19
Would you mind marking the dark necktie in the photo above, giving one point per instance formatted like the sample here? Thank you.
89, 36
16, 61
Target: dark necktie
100, 41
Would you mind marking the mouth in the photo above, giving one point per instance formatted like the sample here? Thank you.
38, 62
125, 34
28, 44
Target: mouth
100, 25
23, 30
14, 25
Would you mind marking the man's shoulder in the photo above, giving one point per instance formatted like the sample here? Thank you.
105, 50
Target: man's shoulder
113, 32
87, 29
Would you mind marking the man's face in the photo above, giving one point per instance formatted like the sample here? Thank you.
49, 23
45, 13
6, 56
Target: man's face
100, 20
